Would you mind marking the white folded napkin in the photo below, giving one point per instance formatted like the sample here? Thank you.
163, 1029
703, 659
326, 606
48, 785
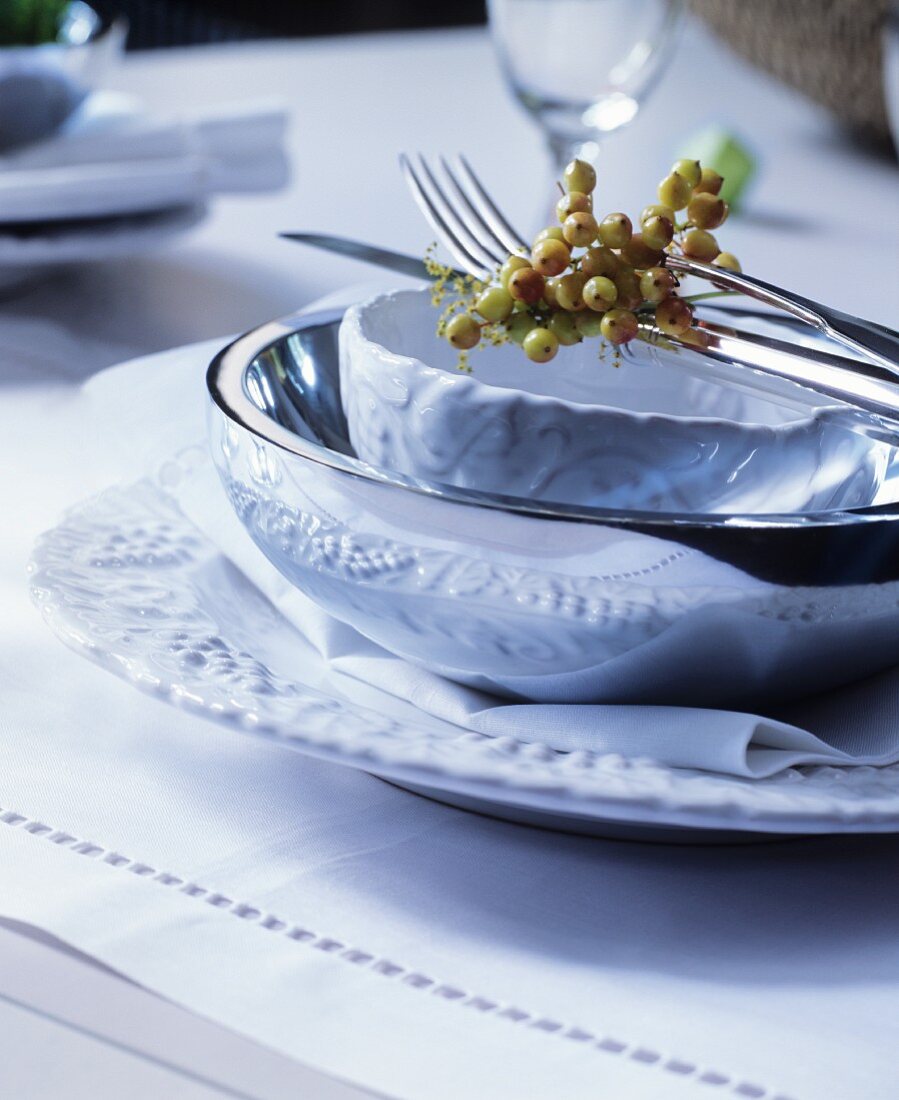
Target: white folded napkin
111, 157
854, 725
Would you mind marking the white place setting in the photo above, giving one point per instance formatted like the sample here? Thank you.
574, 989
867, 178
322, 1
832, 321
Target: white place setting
112, 178
472, 671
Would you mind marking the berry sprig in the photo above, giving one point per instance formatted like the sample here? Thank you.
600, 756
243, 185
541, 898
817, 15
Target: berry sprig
586, 278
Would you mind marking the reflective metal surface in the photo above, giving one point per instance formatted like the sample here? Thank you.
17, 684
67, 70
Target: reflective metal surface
862, 384
549, 602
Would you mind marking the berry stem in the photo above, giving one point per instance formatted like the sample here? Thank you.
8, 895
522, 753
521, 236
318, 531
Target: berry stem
711, 294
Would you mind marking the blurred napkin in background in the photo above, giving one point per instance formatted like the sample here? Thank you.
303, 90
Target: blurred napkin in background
113, 158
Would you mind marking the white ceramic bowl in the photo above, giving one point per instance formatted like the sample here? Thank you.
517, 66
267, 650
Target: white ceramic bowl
537, 601
648, 435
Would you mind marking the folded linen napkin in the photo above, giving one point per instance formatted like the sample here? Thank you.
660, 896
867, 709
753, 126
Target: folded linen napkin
111, 157
855, 725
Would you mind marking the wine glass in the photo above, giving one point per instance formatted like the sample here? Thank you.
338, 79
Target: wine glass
581, 67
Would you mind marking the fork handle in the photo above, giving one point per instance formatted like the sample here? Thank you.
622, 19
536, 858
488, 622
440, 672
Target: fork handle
874, 341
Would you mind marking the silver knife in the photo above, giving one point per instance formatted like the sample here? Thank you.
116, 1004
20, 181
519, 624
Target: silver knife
858, 383
368, 253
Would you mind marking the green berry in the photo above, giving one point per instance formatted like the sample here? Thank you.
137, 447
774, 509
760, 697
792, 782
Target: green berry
674, 316
526, 285
600, 293
519, 325
619, 326
588, 323
580, 176
638, 253
657, 232
675, 191
709, 182
656, 284
600, 261
615, 230
551, 257
706, 211
728, 261
656, 210
562, 326
494, 304
540, 345
580, 229
700, 245
463, 331
691, 170
551, 231
570, 292
576, 202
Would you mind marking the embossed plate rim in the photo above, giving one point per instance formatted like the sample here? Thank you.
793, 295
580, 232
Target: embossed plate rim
821, 799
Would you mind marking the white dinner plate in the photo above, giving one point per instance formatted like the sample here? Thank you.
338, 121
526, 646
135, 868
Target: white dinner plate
25, 254
128, 581
100, 190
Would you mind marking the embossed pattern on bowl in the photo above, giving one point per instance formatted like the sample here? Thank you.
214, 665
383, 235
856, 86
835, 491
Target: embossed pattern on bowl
551, 603
648, 435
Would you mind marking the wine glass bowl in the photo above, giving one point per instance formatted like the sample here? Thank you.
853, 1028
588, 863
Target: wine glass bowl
581, 68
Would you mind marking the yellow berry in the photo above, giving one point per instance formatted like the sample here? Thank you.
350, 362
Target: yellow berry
600, 261
540, 345
675, 191
674, 316
615, 230
551, 257
638, 253
600, 293
576, 202
552, 231
580, 229
706, 211
728, 261
657, 232
570, 292
526, 285
656, 284
628, 283
580, 176
494, 304
513, 264
699, 245
709, 181
619, 326
691, 170
463, 331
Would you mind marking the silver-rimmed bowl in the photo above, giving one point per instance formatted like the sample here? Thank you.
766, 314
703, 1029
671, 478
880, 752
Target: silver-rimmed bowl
541, 601
42, 85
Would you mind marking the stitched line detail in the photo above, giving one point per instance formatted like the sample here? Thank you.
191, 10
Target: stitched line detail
408, 977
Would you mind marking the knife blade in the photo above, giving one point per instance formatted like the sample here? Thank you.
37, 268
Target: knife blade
368, 253
849, 380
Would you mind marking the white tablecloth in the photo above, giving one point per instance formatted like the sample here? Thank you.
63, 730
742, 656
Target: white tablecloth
464, 957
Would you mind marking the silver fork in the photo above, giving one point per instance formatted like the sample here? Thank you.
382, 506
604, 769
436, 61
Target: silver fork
479, 237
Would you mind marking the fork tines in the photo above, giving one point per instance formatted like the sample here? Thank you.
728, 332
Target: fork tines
462, 213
